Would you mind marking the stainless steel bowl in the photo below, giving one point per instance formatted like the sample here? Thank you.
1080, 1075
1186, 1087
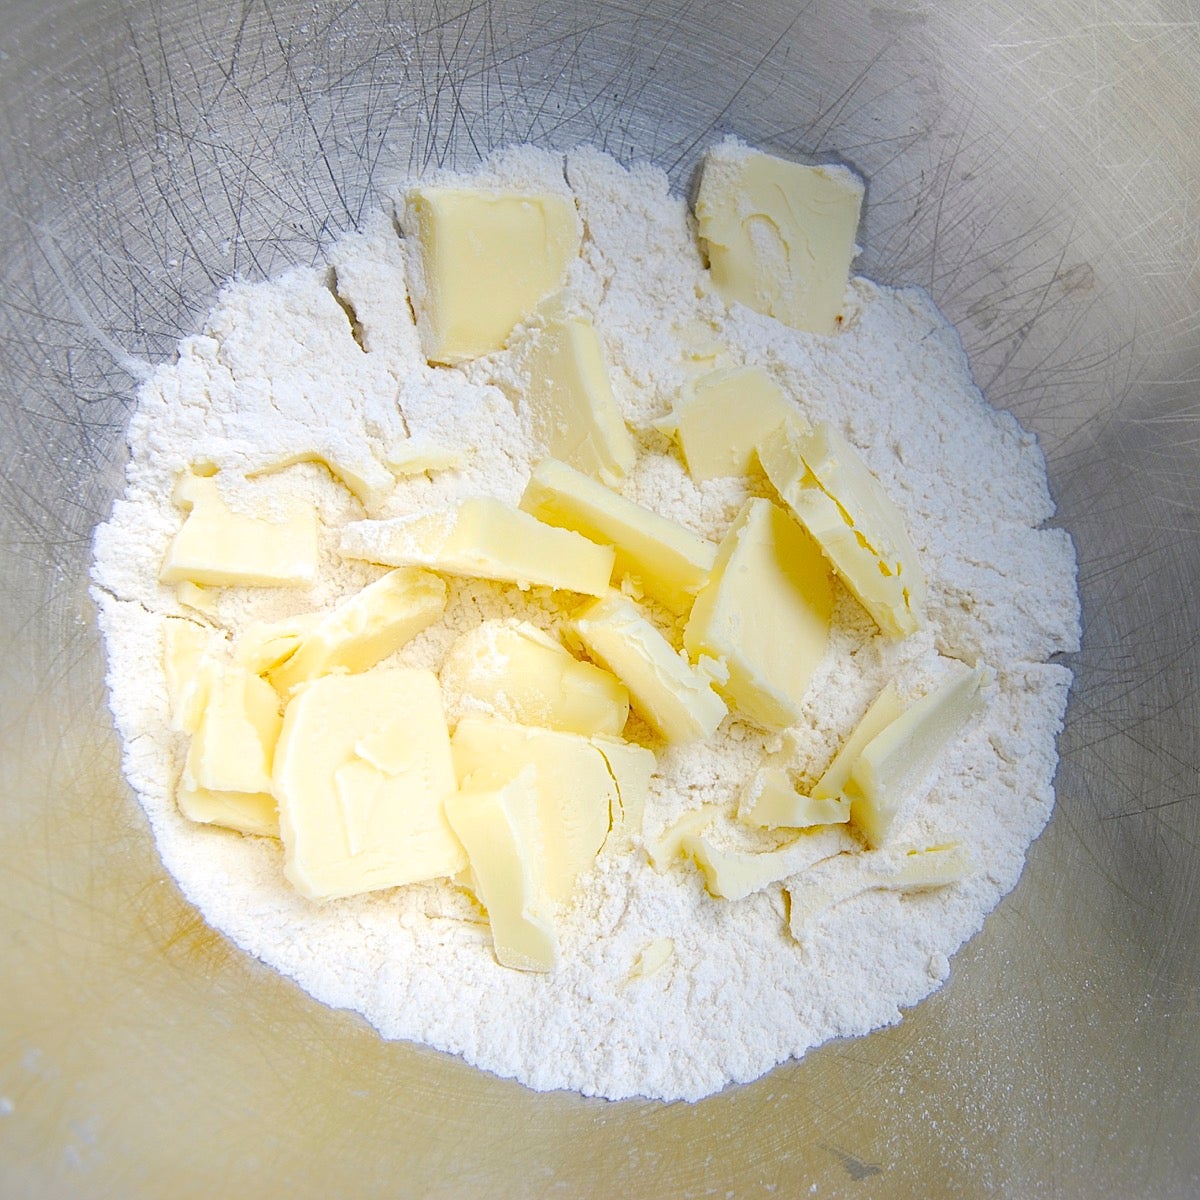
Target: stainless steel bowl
1035, 165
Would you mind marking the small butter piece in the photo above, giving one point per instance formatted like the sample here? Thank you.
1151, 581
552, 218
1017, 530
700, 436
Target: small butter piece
364, 629
576, 793
570, 400
220, 548
882, 711
652, 957
722, 417
764, 613
672, 563
418, 456
483, 262
772, 802
674, 696
263, 645
193, 596
486, 539
668, 846
361, 773
735, 874
889, 769
906, 868
518, 673
779, 236
832, 491
500, 830
187, 646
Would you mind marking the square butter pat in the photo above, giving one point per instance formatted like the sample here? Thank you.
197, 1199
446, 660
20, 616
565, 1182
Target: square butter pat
362, 772
764, 613
779, 236
486, 539
671, 563
481, 261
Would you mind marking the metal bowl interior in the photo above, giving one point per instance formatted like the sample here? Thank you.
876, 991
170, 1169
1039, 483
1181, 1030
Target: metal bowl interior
1035, 166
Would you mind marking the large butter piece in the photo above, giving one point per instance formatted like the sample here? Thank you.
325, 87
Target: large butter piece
772, 802
518, 673
221, 548
674, 696
888, 770
764, 613
499, 826
226, 776
365, 628
904, 869
484, 261
722, 417
362, 771
573, 412
779, 236
576, 792
734, 874
670, 563
485, 538
835, 496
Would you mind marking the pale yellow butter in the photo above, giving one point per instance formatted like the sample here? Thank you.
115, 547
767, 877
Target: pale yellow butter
833, 493
485, 538
722, 417
419, 456
671, 563
484, 261
517, 672
674, 696
891, 766
187, 647
364, 629
652, 957
499, 826
779, 236
219, 548
668, 846
771, 801
764, 613
632, 767
882, 711
362, 771
263, 645
576, 793
573, 412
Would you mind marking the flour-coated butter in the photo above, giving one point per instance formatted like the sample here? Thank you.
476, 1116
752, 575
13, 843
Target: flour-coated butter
731, 874
772, 801
881, 712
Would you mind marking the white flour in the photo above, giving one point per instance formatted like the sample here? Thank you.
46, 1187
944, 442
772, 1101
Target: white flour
278, 374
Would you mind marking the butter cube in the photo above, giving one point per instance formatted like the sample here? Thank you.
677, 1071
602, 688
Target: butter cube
674, 696
734, 874
486, 539
670, 562
570, 400
483, 261
220, 548
888, 770
779, 236
773, 802
576, 793
227, 773
519, 673
764, 613
364, 629
362, 771
831, 490
499, 826
722, 417
883, 710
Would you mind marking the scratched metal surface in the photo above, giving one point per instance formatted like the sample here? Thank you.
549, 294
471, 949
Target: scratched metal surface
1035, 165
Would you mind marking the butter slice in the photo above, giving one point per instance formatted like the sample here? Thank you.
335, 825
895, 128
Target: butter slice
670, 562
734, 874
722, 417
570, 400
499, 828
187, 648
772, 801
576, 793
674, 696
486, 539
764, 613
668, 846
889, 769
833, 493
219, 548
779, 236
484, 261
362, 771
632, 768
883, 710
365, 628
227, 773
907, 868
519, 673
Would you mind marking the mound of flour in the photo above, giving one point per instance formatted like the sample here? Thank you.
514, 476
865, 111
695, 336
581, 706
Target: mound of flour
321, 369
